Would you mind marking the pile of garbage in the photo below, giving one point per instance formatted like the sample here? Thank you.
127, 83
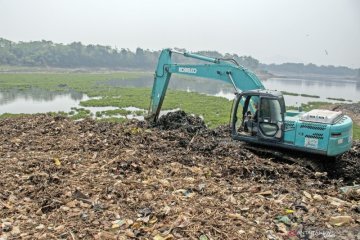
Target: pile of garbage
64, 179
180, 120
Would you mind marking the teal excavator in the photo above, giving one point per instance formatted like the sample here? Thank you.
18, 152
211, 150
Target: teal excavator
258, 115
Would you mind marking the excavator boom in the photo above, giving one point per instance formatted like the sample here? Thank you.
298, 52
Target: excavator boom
226, 70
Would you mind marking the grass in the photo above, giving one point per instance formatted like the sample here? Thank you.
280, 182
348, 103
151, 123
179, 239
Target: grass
79, 113
90, 83
356, 131
13, 115
309, 106
314, 105
215, 110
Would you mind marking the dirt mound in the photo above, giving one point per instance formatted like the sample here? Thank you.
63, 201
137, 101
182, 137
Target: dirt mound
98, 180
180, 120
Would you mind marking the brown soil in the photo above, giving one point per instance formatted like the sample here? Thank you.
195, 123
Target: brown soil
62, 179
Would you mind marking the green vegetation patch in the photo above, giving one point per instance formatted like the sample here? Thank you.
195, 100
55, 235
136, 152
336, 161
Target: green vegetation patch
308, 95
314, 105
339, 99
89, 83
215, 110
80, 113
289, 93
356, 131
13, 115
298, 94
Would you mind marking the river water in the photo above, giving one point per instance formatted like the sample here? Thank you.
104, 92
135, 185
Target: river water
322, 87
40, 101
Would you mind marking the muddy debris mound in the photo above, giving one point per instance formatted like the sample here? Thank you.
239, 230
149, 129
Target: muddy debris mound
347, 166
64, 179
180, 120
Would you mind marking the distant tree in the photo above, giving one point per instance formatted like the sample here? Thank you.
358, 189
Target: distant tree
48, 54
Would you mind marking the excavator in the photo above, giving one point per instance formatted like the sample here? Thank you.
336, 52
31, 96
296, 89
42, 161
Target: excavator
258, 115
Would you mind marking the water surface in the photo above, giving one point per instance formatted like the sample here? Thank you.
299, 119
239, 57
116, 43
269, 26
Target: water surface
35, 100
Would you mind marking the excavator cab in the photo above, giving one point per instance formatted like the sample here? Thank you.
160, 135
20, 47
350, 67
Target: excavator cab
258, 115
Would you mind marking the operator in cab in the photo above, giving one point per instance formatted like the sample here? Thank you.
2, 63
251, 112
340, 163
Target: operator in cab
250, 122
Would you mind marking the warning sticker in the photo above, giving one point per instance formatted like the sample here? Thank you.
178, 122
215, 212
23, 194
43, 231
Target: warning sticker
311, 142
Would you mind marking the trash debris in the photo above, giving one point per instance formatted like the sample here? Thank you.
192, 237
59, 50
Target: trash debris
180, 120
266, 193
175, 180
281, 227
203, 237
347, 189
317, 197
6, 226
117, 223
306, 194
340, 220
289, 211
337, 202
57, 162
284, 219
40, 227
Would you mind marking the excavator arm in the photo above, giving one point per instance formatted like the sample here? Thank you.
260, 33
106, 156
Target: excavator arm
226, 70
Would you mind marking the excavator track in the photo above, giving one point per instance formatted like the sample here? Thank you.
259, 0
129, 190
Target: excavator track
345, 166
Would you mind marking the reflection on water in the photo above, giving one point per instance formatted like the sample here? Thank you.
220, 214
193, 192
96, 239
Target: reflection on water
36, 94
324, 88
200, 85
34, 100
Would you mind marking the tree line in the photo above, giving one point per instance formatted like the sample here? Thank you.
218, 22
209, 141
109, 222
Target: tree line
77, 55
300, 68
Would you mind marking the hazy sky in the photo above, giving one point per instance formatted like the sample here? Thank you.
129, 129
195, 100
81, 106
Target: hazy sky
325, 32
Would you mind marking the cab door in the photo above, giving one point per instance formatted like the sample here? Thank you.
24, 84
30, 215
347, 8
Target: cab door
271, 118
